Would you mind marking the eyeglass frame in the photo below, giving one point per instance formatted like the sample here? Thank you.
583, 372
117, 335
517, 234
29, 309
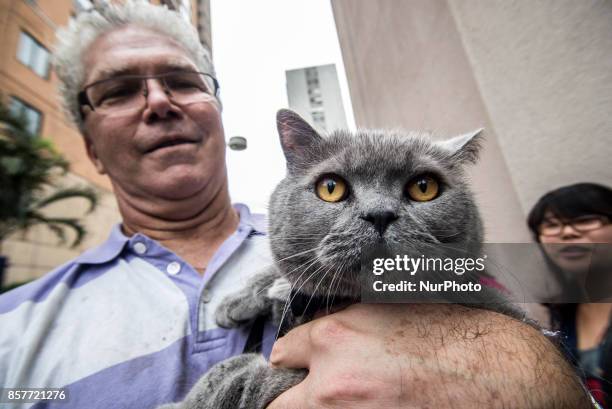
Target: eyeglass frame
605, 220
83, 99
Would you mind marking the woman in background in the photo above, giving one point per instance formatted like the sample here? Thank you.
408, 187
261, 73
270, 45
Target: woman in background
568, 223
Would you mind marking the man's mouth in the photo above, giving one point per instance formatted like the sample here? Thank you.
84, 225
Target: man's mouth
170, 142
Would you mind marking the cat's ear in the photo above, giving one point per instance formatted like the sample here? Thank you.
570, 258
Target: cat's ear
466, 147
297, 137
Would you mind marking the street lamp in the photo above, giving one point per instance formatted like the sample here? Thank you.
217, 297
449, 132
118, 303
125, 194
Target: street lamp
237, 143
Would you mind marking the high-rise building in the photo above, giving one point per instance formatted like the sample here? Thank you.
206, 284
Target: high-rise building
28, 87
203, 22
314, 93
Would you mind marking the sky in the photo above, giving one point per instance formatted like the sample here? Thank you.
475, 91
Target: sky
254, 43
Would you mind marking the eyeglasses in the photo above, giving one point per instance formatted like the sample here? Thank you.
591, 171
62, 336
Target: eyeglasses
127, 94
582, 224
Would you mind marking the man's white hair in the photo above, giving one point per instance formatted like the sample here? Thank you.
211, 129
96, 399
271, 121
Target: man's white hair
74, 41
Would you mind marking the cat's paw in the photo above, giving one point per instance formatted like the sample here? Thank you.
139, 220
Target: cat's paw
253, 301
236, 310
245, 381
232, 313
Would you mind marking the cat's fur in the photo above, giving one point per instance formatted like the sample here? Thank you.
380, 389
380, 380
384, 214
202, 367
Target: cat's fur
317, 245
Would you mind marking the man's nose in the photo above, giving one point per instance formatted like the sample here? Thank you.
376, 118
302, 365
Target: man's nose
158, 100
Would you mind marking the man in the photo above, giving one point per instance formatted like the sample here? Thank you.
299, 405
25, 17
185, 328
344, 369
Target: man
129, 323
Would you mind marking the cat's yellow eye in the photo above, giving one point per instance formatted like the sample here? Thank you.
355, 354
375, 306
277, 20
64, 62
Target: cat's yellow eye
423, 188
331, 188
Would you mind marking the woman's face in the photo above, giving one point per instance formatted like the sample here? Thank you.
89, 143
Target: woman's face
572, 248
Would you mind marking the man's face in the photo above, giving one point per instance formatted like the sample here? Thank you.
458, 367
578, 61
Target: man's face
165, 150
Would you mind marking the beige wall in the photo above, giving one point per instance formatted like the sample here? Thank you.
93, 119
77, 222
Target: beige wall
406, 67
544, 69
536, 74
33, 253
203, 24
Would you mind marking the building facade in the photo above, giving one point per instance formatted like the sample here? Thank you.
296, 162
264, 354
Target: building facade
314, 93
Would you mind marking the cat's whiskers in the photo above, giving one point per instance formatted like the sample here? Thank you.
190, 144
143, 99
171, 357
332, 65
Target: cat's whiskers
299, 254
331, 284
306, 234
309, 237
309, 261
439, 244
314, 292
306, 265
438, 234
337, 273
291, 298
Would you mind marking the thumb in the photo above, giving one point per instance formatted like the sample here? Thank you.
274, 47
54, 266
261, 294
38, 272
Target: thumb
294, 350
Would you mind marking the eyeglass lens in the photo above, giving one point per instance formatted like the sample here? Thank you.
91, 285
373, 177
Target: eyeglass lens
580, 224
126, 95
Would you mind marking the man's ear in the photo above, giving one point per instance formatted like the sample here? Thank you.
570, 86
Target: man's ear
464, 148
297, 137
90, 148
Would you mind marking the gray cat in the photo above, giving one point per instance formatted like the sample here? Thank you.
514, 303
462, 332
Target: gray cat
342, 194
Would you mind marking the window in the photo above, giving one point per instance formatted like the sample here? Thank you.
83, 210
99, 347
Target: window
315, 99
31, 115
314, 88
312, 74
33, 54
318, 117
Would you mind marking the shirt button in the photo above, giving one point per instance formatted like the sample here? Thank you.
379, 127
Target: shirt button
206, 296
140, 248
173, 268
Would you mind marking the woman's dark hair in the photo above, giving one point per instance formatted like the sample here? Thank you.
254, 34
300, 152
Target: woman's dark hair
569, 202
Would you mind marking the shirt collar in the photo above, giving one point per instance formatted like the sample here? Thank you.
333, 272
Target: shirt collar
257, 223
106, 251
116, 242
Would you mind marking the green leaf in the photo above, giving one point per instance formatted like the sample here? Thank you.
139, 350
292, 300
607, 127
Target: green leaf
29, 167
69, 193
11, 166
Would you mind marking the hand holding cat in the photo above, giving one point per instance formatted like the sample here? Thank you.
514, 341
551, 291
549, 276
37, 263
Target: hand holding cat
406, 356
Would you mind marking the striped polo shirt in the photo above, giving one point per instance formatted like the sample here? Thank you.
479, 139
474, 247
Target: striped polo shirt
128, 324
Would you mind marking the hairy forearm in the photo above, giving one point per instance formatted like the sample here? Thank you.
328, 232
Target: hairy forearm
477, 356
422, 356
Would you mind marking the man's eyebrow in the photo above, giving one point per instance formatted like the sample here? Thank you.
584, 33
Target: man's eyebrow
107, 73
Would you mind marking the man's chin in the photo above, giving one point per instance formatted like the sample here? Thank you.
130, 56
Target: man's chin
175, 184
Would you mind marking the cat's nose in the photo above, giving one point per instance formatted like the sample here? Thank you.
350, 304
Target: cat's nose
380, 220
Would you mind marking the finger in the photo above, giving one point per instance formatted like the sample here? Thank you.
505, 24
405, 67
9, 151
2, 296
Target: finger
293, 398
294, 349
